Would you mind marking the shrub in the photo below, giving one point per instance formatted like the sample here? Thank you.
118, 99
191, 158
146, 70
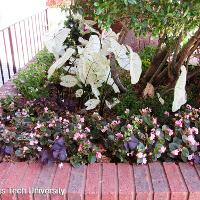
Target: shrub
147, 55
32, 81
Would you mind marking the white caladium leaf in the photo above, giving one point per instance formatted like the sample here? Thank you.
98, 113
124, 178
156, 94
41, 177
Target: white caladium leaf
135, 66
161, 100
92, 103
105, 40
54, 41
93, 46
70, 69
68, 81
95, 90
93, 70
79, 93
114, 86
180, 96
83, 41
121, 54
114, 103
61, 61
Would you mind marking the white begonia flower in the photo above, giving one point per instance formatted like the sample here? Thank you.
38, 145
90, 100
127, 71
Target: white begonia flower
135, 66
68, 81
61, 61
180, 96
79, 93
114, 103
92, 103
121, 54
54, 39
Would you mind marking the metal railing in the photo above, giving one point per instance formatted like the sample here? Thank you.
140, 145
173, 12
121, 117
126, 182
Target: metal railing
20, 42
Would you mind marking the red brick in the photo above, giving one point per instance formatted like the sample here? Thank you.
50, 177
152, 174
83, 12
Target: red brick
93, 182
144, 190
77, 183
159, 181
109, 182
198, 169
192, 180
176, 182
45, 181
4, 173
126, 183
61, 180
15, 175
29, 180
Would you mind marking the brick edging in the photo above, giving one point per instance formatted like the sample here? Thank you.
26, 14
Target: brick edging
105, 181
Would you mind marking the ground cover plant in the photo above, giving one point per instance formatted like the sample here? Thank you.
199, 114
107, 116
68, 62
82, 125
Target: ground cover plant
85, 99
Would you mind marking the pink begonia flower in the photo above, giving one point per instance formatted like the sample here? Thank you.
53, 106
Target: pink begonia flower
144, 161
76, 136
83, 135
79, 126
46, 110
80, 148
162, 149
114, 123
187, 116
82, 120
24, 112
129, 126
179, 123
188, 106
119, 135
67, 130
98, 155
191, 139
190, 157
175, 152
50, 125
195, 130
166, 113
87, 130
157, 132
65, 121
105, 128
154, 121
31, 143
38, 126
39, 148
170, 132
25, 148
140, 155
152, 137
127, 111
60, 119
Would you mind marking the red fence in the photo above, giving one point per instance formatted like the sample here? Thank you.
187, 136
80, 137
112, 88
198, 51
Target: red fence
20, 42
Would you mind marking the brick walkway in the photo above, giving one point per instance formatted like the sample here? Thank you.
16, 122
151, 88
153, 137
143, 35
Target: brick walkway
100, 181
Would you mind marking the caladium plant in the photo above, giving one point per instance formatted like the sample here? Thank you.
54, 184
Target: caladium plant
89, 62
